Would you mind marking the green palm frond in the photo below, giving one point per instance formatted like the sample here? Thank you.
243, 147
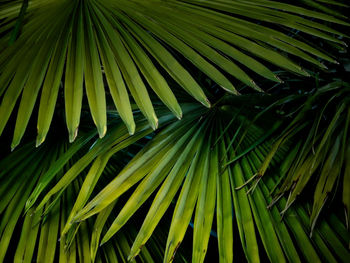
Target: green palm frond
135, 45
194, 160
188, 166
39, 235
256, 177
320, 130
186, 163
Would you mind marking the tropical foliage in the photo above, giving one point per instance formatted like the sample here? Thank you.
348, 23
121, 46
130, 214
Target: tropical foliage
128, 41
260, 172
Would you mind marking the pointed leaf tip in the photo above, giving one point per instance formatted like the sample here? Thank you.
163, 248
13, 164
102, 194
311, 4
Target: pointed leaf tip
14, 144
306, 74
131, 128
73, 135
206, 103
102, 131
255, 85
278, 79
39, 140
324, 66
130, 258
154, 123
178, 113
105, 239
103, 242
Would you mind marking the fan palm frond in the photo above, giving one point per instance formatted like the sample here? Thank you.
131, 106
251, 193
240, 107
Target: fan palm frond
99, 153
190, 157
131, 45
320, 130
38, 236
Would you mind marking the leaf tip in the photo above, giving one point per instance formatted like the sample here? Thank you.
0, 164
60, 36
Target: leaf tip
130, 258
39, 140
73, 135
255, 86
324, 66
154, 123
305, 73
131, 128
206, 103
278, 79
27, 206
104, 240
102, 131
178, 113
14, 144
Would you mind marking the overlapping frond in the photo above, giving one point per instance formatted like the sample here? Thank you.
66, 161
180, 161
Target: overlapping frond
26, 175
82, 47
36, 235
320, 132
233, 173
187, 162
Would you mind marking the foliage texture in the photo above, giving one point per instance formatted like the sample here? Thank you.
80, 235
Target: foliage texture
197, 155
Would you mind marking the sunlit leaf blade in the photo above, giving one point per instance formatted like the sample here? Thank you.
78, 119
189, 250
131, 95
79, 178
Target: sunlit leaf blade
93, 76
186, 203
150, 182
73, 84
205, 207
115, 81
51, 87
166, 192
94, 174
243, 211
224, 213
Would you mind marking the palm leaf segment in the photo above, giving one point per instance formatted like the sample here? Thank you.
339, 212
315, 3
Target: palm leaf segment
132, 45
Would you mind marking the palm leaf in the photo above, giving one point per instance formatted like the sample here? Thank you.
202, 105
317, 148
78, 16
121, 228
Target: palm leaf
66, 179
177, 159
132, 44
320, 128
39, 236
